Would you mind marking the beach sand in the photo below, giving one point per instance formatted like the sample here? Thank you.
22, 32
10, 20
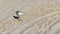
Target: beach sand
39, 17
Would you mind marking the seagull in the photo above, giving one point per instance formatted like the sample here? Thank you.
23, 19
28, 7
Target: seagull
18, 14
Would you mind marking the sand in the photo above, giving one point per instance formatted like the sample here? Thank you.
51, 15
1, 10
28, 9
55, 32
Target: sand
39, 17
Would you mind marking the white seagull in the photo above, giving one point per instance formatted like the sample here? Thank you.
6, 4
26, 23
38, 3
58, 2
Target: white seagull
18, 14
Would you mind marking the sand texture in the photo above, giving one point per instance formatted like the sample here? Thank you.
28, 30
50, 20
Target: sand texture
39, 17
